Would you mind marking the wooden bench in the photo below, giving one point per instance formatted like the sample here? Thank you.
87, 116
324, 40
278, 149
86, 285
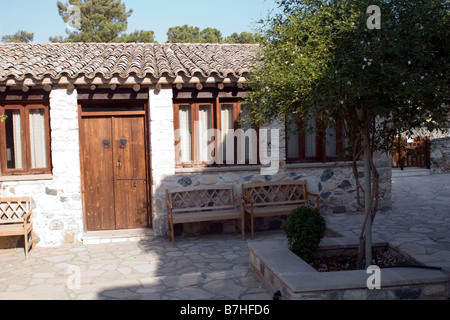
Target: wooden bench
16, 219
265, 199
199, 204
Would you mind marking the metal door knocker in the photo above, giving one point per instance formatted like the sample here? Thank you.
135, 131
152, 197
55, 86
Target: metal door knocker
106, 143
123, 143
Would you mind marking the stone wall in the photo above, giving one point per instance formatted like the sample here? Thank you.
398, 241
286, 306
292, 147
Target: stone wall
57, 208
439, 149
333, 182
440, 153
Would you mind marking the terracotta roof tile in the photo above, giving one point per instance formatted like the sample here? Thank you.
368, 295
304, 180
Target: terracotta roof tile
38, 61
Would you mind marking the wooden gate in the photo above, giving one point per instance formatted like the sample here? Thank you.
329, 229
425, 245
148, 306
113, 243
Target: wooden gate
114, 172
414, 153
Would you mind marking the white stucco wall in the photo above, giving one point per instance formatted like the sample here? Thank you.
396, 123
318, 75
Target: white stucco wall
162, 152
57, 208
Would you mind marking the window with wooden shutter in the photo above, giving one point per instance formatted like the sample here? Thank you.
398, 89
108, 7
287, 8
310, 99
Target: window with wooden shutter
25, 139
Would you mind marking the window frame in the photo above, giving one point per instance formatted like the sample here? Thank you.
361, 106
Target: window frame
25, 108
321, 144
195, 151
216, 121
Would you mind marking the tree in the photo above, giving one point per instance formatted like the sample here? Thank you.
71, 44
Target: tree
183, 34
93, 20
188, 34
333, 60
20, 36
98, 21
211, 35
243, 37
137, 36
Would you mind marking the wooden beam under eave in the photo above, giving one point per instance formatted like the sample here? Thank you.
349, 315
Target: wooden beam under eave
130, 81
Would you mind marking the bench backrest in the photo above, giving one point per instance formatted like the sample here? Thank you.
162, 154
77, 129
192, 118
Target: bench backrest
276, 193
14, 209
201, 198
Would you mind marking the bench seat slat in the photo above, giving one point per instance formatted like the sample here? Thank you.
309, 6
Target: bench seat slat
273, 210
279, 203
14, 229
203, 209
206, 216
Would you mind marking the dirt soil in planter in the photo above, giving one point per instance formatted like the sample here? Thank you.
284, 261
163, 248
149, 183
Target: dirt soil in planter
381, 257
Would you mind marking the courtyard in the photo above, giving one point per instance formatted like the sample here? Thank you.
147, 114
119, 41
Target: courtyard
214, 267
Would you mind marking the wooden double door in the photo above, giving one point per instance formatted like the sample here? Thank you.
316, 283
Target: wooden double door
114, 165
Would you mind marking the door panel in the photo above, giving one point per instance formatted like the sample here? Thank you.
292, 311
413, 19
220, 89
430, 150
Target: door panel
115, 176
130, 173
98, 174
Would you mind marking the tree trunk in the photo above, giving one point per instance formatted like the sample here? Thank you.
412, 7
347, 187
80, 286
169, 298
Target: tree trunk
365, 240
367, 204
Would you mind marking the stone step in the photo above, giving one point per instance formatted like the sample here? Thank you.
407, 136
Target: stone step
98, 237
410, 172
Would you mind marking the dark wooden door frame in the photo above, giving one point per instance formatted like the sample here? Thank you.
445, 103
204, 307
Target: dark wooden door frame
147, 156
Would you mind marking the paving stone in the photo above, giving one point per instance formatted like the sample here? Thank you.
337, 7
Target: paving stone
217, 266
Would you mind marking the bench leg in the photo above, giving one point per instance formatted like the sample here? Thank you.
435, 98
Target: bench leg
26, 244
251, 225
171, 232
32, 239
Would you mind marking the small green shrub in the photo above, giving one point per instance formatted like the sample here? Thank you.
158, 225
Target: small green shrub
304, 229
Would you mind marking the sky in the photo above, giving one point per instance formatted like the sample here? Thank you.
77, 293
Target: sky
41, 16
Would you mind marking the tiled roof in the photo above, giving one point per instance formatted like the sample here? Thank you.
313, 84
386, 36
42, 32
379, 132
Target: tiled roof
39, 61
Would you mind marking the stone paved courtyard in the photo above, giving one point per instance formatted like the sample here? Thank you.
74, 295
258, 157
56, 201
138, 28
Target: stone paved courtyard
217, 266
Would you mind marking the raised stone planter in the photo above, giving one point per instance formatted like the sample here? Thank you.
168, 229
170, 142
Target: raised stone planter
281, 270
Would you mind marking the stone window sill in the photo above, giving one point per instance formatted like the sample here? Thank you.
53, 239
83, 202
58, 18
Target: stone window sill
27, 178
332, 164
283, 165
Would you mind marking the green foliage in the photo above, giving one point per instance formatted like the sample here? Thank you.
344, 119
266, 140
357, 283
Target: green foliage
188, 34
20, 36
243, 37
98, 21
183, 34
137, 36
320, 59
2, 117
304, 229
211, 35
